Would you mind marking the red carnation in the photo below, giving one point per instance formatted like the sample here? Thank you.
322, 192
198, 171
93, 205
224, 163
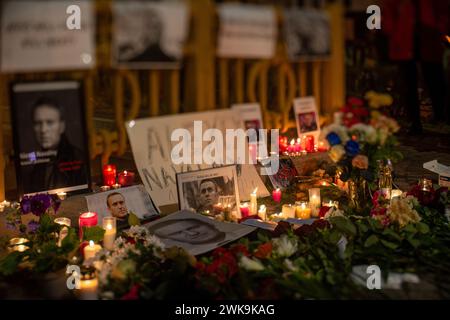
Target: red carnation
264, 250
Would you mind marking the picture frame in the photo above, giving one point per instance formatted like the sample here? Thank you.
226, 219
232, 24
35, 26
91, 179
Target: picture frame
51, 153
122, 203
200, 190
307, 117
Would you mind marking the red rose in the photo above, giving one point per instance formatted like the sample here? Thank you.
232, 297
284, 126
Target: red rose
282, 228
239, 248
320, 224
133, 294
264, 250
304, 231
323, 211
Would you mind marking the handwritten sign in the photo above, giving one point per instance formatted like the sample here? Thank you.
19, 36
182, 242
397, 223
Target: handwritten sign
151, 144
36, 37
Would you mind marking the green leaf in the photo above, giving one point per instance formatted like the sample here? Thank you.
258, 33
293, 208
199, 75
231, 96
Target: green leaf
370, 241
410, 228
422, 227
334, 236
133, 220
414, 242
71, 241
344, 225
10, 263
93, 233
389, 244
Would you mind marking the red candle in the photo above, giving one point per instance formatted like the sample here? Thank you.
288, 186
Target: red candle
126, 178
87, 219
283, 144
309, 145
245, 210
109, 174
276, 195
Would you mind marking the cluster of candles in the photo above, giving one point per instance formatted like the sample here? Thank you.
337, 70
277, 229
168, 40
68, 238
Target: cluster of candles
113, 180
301, 146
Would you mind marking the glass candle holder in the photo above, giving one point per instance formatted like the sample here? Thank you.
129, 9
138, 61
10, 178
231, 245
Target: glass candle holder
109, 174
314, 201
87, 220
302, 210
109, 224
18, 244
425, 184
245, 210
66, 222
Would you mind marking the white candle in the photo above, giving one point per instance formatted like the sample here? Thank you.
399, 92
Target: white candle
288, 211
88, 289
109, 224
253, 202
62, 195
314, 201
91, 250
262, 212
64, 231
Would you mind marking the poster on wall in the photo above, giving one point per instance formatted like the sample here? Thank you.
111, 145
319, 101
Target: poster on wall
36, 36
307, 117
307, 34
50, 140
251, 115
246, 31
149, 34
150, 141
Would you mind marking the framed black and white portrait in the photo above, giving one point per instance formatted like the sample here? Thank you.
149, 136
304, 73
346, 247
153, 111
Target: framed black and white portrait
201, 190
149, 35
50, 139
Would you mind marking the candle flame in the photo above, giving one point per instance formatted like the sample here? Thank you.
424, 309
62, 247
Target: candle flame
292, 142
254, 191
125, 172
447, 38
91, 243
109, 227
88, 214
262, 207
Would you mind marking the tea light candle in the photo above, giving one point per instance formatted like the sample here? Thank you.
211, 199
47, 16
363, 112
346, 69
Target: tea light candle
109, 224
105, 188
396, 193
253, 202
91, 250
4, 204
288, 211
309, 143
330, 204
87, 219
276, 195
262, 213
302, 210
88, 287
116, 186
244, 210
425, 184
66, 222
18, 244
109, 174
62, 196
126, 178
314, 200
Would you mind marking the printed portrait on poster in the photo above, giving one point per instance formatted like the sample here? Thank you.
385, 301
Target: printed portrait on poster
307, 117
201, 190
149, 34
307, 33
125, 204
51, 149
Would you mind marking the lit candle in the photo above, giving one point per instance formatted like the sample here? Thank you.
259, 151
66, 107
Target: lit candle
116, 186
291, 148
217, 208
396, 193
276, 195
109, 174
18, 244
425, 184
330, 204
262, 212
282, 145
302, 210
87, 219
288, 211
126, 178
91, 250
314, 201
386, 193
109, 224
244, 210
4, 204
309, 143
105, 188
66, 222
88, 287
62, 196
253, 202
227, 213
322, 147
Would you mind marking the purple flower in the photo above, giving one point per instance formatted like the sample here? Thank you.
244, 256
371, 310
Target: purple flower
40, 203
33, 226
25, 205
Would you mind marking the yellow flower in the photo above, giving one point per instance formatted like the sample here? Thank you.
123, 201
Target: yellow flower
336, 153
401, 211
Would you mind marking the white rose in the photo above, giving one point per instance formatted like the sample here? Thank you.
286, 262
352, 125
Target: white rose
284, 246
